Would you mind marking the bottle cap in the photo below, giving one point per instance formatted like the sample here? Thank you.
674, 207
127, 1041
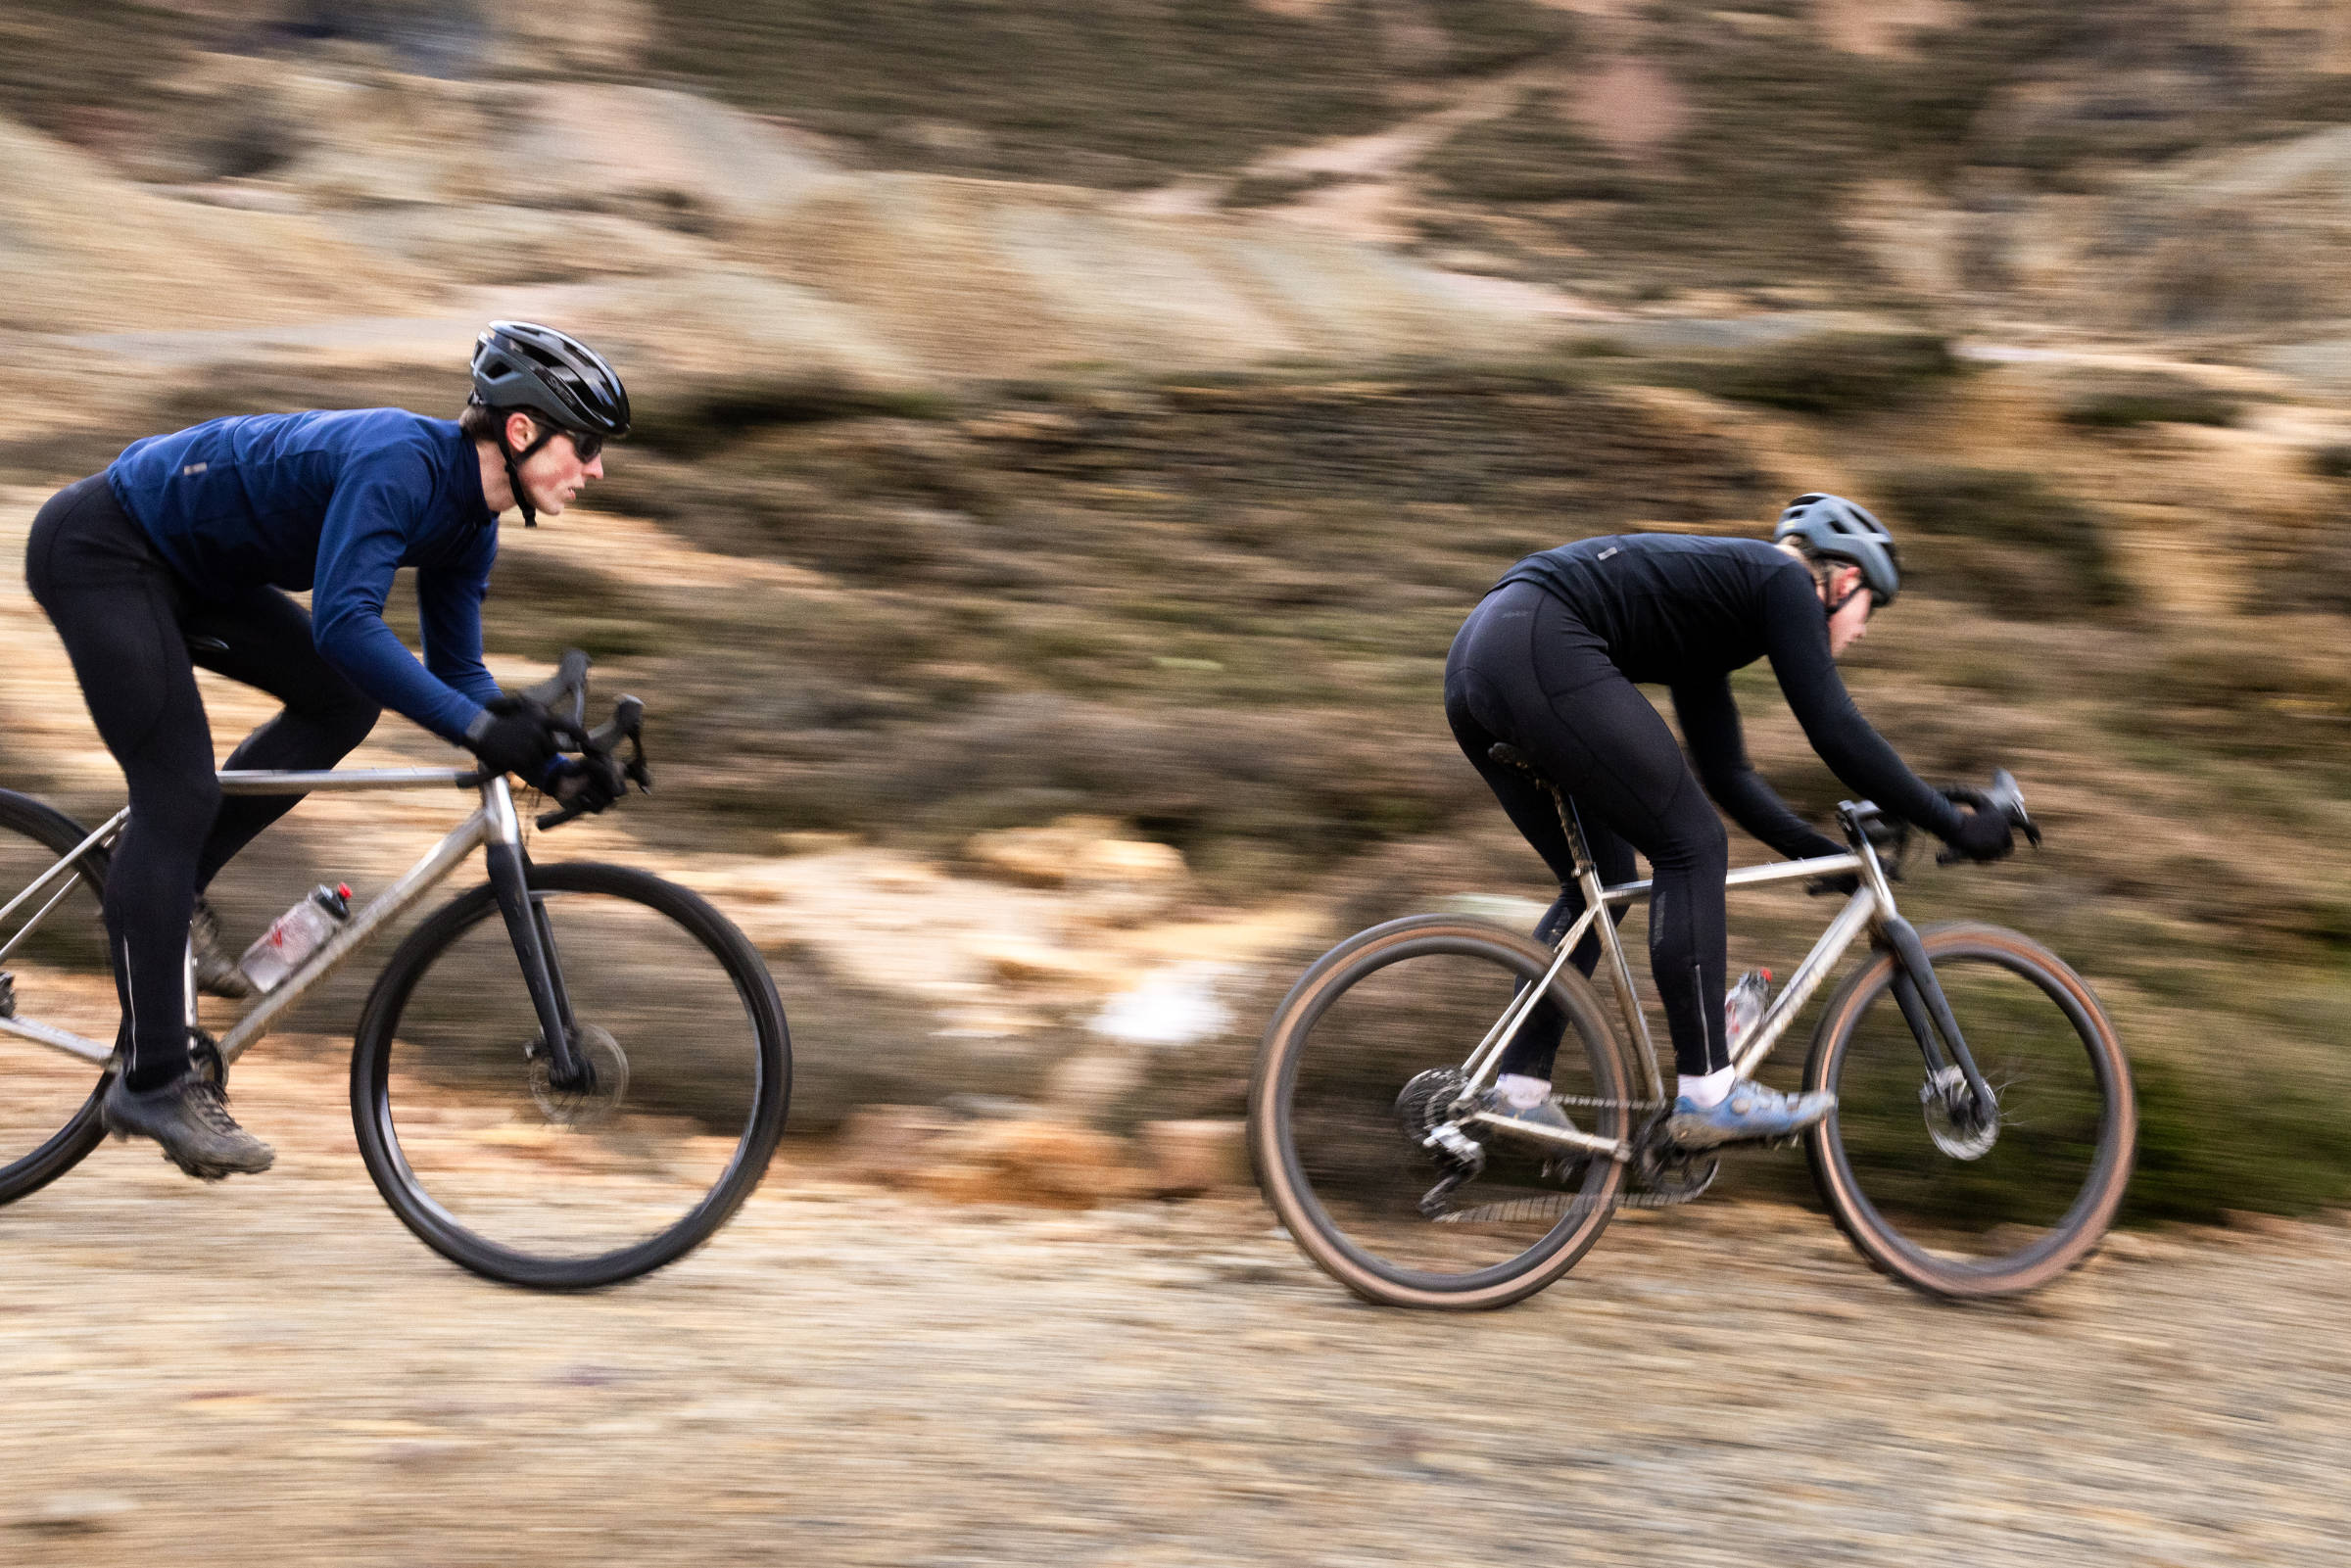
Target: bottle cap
343, 890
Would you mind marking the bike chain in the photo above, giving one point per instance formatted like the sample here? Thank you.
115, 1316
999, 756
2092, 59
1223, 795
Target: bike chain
1623, 1199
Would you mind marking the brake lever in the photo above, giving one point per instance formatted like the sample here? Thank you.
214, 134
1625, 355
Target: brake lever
566, 688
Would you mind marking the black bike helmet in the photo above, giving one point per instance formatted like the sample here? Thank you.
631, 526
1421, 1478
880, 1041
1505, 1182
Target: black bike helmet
568, 386
1833, 526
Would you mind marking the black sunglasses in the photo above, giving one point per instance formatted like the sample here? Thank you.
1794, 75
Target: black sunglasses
588, 446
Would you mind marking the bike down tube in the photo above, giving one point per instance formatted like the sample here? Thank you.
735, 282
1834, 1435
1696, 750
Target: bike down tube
1858, 911
421, 878
511, 884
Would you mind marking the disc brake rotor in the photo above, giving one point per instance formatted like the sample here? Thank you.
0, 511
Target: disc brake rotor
1951, 1122
608, 1069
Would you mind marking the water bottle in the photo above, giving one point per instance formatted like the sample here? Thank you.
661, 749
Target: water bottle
1745, 1003
295, 935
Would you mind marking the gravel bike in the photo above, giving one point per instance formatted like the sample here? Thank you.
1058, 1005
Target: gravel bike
1983, 1136
570, 1094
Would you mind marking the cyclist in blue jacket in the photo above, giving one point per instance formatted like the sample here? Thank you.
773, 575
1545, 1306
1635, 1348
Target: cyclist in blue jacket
182, 554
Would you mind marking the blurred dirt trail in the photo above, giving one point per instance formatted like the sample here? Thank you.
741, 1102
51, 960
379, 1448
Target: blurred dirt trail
271, 1371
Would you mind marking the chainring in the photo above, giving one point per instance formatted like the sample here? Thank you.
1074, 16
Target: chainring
1668, 1175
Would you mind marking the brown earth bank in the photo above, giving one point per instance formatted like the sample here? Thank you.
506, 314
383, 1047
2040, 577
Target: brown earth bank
273, 1371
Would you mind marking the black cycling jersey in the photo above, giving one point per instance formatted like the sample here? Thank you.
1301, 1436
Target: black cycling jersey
1684, 612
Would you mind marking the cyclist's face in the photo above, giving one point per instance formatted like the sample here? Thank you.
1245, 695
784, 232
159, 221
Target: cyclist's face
555, 474
1850, 623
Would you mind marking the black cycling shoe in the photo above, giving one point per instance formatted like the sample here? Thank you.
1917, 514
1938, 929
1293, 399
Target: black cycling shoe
217, 974
190, 1118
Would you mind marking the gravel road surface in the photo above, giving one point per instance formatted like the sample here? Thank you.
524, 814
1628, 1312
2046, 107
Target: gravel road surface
273, 1371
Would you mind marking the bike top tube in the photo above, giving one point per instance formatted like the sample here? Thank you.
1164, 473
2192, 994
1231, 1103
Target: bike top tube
1776, 870
244, 782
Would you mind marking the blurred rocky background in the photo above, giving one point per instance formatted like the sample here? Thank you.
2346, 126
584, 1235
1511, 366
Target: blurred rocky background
1071, 433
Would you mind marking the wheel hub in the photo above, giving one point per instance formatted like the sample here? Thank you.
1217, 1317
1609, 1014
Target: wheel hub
1959, 1130
585, 1105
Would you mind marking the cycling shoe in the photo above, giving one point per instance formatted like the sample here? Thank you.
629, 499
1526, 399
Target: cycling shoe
1749, 1113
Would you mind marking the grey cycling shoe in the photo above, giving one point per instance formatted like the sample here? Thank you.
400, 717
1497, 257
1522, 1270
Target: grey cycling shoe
217, 974
1537, 1120
1749, 1113
190, 1118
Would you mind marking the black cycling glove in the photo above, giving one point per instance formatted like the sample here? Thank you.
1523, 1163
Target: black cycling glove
514, 734
588, 783
1984, 836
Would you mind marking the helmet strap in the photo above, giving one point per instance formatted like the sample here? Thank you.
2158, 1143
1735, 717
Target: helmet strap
514, 462
1830, 610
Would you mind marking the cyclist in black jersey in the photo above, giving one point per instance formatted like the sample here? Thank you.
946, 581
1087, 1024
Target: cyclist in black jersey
1548, 662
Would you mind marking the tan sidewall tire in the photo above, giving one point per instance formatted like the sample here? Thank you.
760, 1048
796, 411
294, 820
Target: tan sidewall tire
1853, 1215
1277, 1175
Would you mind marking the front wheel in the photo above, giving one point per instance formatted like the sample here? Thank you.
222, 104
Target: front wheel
556, 1188
1948, 1202
1362, 1065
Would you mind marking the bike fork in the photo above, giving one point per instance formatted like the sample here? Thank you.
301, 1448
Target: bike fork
1928, 1011
534, 942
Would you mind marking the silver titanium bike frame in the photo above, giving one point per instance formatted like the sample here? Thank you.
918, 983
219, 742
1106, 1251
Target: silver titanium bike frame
491, 825
1870, 909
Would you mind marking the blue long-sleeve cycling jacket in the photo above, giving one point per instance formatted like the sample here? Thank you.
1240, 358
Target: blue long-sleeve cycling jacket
335, 502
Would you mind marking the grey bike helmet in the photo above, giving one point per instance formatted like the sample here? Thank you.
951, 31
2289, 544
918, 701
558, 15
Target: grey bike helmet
537, 370
1834, 527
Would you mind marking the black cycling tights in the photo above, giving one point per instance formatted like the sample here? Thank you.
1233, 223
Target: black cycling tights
135, 630
1524, 670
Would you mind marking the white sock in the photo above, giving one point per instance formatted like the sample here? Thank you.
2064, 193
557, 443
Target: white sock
1522, 1093
1706, 1090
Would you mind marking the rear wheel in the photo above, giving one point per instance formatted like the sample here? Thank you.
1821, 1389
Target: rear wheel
1360, 1063
527, 1182
59, 978
1952, 1204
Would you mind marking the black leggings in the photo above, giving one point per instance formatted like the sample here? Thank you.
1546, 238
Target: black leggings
135, 630
1523, 669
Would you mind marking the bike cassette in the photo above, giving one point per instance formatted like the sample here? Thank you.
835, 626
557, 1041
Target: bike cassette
608, 1083
1426, 1102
